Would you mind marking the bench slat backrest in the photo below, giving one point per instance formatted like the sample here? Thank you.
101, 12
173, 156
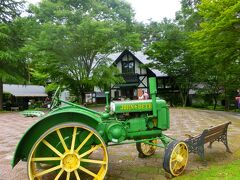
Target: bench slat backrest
215, 132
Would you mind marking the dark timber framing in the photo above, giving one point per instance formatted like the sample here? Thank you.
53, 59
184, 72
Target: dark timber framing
133, 80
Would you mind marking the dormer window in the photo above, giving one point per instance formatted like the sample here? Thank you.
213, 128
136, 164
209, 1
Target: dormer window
128, 65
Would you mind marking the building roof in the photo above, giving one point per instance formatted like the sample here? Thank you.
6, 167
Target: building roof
25, 90
142, 58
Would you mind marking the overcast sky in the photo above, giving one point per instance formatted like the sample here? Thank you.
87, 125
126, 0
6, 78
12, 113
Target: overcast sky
150, 9
154, 9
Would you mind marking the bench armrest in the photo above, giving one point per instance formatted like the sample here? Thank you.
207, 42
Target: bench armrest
189, 136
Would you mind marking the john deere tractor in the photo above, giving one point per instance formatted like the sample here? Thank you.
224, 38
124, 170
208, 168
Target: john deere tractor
71, 141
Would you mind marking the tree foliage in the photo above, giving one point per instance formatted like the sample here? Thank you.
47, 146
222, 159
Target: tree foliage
216, 45
200, 47
170, 47
12, 62
75, 37
172, 56
67, 42
188, 17
105, 75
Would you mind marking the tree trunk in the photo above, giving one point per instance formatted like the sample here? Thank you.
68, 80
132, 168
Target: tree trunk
82, 98
184, 98
215, 102
78, 98
1, 94
226, 101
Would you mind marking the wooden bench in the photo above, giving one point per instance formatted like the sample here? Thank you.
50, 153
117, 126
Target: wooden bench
214, 133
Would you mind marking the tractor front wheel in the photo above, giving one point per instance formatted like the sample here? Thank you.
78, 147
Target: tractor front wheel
66, 151
175, 158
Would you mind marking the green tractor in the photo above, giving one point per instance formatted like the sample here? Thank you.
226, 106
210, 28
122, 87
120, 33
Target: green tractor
71, 141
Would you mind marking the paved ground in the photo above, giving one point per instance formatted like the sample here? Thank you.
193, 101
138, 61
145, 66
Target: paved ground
124, 162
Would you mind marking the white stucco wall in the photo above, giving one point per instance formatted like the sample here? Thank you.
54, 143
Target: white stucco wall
144, 71
112, 92
119, 66
137, 68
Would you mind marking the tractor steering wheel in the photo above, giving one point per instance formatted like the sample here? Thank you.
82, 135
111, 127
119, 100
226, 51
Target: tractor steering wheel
55, 98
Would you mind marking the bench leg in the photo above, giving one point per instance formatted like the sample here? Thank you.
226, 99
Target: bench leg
200, 152
223, 139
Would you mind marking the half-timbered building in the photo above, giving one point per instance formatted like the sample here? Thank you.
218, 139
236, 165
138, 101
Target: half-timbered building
133, 69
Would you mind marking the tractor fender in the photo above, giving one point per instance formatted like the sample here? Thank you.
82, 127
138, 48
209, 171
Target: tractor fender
58, 116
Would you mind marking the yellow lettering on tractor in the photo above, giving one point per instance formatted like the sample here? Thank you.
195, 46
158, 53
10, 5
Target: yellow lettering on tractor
130, 107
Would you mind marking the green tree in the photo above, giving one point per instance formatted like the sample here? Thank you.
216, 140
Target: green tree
104, 77
169, 46
216, 45
73, 36
188, 17
12, 64
171, 54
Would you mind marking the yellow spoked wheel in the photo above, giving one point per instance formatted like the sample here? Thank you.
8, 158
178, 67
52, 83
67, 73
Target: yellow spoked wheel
146, 150
175, 158
68, 151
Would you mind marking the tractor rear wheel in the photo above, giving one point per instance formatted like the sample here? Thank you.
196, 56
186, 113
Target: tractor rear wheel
68, 151
146, 150
175, 158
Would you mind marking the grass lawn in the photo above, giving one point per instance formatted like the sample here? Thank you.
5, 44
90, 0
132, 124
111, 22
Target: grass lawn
229, 171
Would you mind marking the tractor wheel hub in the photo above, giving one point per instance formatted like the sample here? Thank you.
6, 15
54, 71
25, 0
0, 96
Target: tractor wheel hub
179, 158
70, 162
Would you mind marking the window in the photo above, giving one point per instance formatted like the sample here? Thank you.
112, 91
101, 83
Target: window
168, 83
128, 65
164, 83
160, 83
116, 94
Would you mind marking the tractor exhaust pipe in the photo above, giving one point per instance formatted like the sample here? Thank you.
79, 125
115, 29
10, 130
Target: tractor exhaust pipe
153, 93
